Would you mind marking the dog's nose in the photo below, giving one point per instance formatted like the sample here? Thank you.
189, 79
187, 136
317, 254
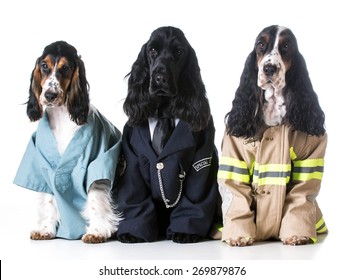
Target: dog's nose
269, 69
50, 96
160, 79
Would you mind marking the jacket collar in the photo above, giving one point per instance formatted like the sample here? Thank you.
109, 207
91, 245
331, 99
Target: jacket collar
47, 147
173, 145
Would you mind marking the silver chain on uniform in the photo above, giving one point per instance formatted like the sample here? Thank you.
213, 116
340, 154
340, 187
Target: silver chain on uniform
159, 167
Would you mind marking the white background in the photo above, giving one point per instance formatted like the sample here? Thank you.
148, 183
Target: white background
109, 36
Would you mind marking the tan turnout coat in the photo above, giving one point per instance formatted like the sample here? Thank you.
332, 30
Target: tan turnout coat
269, 185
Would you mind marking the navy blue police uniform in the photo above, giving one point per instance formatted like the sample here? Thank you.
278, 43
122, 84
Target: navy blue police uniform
174, 192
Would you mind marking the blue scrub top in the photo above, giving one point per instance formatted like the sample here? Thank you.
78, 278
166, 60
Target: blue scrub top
91, 155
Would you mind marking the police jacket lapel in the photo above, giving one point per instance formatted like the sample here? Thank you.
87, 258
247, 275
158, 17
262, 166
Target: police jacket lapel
180, 139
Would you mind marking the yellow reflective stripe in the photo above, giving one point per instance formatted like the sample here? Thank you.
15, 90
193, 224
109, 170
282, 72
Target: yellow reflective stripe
314, 239
233, 162
308, 169
307, 176
320, 223
272, 174
321, 226
219, 227
271, 181
271, 167
252, 168
293, 156
233, 169
323, 230
309, 162
228, 175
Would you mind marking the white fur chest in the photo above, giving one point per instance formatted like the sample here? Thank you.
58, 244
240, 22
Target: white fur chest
274, 107
62, 127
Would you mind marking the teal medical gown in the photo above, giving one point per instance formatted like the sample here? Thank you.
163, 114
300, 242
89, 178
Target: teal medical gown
91, 155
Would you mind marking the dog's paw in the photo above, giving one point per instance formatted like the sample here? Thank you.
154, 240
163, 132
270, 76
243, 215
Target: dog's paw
296, 240
240, 241
179, 237
93, 238
128, 238
41, 235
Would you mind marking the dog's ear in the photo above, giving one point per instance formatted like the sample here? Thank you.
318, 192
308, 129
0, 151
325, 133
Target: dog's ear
137, 105
303, 110
78, 94
191, 104
34, 108
245, 115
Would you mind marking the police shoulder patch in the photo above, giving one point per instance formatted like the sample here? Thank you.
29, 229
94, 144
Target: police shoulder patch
202, 163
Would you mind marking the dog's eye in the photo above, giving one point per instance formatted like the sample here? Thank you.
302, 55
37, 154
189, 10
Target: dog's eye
65, 68
286, 46
260, 46
44, 66
153, 52
179, 52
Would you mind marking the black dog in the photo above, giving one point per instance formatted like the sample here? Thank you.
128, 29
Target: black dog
169, 188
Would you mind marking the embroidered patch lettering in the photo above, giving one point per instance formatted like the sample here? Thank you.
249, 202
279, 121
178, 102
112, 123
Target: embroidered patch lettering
198, 165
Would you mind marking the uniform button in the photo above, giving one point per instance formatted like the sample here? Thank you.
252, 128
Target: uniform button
159, 165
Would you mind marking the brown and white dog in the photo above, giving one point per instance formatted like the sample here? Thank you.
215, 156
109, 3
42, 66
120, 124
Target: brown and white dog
71, 142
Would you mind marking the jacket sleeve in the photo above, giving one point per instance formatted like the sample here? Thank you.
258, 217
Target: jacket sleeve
301, 214
29, 173
134, 198
195, 213
235, 178
105, 163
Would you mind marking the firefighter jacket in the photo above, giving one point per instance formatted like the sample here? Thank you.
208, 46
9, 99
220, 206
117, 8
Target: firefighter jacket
269, 185
176, 191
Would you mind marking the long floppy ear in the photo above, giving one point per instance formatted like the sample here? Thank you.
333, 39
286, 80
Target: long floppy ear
78, 96
137, 105
303, 110
245, 115
34, 108
191, 104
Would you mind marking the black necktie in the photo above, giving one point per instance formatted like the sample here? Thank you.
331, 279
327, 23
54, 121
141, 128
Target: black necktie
162, 132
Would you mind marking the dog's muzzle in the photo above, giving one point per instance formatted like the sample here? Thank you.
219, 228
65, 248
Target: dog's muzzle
52, 93
162, 82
